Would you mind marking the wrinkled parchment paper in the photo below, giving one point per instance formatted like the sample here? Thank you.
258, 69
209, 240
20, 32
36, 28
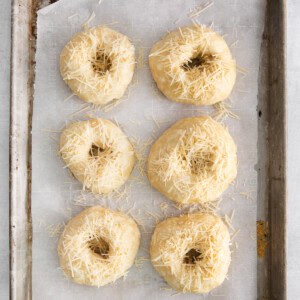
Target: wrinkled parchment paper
144, 115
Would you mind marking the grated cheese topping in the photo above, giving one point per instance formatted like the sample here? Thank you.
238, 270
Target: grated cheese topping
194, 161
193, 65
222, 112
191, 252
196, 11
98, 64
98, 246
98, 154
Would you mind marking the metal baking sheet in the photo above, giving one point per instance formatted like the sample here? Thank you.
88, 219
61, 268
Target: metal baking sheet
55, 195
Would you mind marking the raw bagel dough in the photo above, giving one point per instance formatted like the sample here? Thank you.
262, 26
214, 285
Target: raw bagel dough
191, 252
193, 65
98, 64
98, 246
193, 161
98, 154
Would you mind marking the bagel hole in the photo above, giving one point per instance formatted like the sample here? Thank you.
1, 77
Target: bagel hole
100, 247
201, 161
193, 63
192, 256
101, 63
196, 62
95, 150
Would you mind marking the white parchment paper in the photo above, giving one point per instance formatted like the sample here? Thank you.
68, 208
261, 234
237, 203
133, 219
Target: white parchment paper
56, 195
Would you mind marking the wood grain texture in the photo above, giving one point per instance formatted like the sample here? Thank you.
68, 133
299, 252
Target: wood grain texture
293, 158
276, 101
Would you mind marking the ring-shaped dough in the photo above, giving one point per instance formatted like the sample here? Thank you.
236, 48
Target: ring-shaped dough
98, 154
193, 161
98, 64
98, 246
191, 252
193, 65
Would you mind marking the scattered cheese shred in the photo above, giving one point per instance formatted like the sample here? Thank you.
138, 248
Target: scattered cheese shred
247, 195
196, 11
141, 58
241, 70
54, 230
235, 234
222, 112
139, 261
73, 16
86, 24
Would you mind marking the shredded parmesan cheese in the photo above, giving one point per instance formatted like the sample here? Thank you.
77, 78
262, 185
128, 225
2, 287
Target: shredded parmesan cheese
98, 154
193, 162
141, 59
98, 246
188, 66
98, 64
222, 111
191, 252
86, 24
54, 230
196, 11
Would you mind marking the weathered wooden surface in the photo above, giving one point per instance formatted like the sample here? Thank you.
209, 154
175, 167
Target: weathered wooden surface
293, 158
276, 100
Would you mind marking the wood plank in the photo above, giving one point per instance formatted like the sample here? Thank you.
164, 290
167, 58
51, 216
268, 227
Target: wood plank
277, 193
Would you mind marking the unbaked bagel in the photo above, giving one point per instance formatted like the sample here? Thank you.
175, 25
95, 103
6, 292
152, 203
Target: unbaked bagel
98, 154
98, 246
193, 161
98, 64
191, 252
193, 65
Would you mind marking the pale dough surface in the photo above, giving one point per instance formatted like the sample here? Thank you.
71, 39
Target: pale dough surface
97, 224
98, 154
193, 161
207, 84
77, 59
175, 237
